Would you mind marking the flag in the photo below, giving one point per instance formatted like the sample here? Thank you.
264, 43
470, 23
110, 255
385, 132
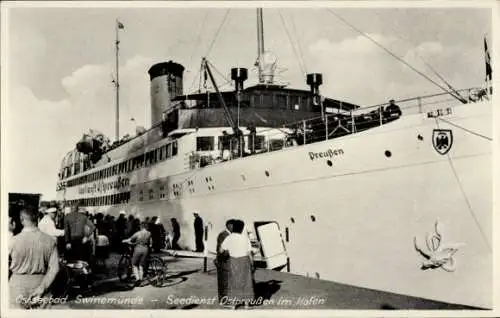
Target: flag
487, 58
120, 25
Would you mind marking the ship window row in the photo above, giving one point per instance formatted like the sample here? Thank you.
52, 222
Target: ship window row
151, 194
207, 143
114, 199
279, 101
143, 160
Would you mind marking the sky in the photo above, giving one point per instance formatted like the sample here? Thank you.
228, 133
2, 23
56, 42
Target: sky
60, 64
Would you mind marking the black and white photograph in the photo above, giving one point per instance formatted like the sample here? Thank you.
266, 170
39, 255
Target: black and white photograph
248, 156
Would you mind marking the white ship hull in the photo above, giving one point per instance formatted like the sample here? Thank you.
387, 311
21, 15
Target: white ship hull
355, 221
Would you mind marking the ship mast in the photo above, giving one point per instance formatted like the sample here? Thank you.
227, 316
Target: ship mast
118, 26
260, 43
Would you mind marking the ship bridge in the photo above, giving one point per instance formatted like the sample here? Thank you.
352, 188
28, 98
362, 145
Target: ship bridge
261, 105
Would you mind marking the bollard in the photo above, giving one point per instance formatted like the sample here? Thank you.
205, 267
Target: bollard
205, 251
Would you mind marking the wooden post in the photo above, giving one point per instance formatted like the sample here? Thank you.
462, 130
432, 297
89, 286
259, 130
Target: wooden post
304, 129
326, 126
353, 124
205, 252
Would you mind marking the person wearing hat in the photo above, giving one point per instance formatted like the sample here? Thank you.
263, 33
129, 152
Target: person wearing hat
392, 110
47, 225
198, 232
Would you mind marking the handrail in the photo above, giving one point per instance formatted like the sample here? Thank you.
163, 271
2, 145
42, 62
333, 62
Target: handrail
332, 125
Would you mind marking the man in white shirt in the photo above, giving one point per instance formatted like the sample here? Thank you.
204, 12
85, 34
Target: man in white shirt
48, 225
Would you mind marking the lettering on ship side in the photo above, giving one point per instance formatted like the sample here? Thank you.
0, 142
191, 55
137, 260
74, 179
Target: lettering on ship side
330, 153
101, 186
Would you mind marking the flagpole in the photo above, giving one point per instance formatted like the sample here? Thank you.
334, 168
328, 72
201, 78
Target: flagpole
488, 67
117, 83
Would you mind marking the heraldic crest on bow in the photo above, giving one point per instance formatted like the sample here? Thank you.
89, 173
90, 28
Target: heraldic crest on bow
442, 140
436, 253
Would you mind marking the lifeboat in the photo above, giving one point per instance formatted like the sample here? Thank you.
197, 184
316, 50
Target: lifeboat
93, 142
85, 145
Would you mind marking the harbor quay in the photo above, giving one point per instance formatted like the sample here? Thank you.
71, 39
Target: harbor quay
189, 285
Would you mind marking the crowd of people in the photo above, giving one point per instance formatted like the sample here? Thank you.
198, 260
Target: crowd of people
102, 230
38, 240
35, 248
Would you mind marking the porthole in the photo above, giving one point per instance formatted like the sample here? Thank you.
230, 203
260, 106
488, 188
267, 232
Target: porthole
388, 154
329, 162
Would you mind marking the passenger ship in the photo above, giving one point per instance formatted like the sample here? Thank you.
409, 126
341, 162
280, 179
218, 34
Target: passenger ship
330, 190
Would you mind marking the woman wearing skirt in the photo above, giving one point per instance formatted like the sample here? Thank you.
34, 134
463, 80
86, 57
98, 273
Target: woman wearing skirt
240, 289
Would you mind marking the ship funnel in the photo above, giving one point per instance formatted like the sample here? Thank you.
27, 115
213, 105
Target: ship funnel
314, 81
166, 84
239, 75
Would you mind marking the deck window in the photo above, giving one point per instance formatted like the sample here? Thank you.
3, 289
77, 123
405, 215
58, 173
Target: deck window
295, 102
174, 148
281, 101
267, 100
259, 142
205, 143
276, 144
169, 150
256, 101
154, 156
161, 153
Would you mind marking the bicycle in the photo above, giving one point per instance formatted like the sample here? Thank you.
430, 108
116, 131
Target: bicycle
155, 268
72, 275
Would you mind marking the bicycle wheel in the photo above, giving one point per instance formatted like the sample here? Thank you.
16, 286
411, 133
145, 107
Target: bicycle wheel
124, 268
156, 271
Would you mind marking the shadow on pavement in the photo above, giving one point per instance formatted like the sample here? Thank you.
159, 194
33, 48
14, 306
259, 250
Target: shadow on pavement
111, 286
265, 290
176, 278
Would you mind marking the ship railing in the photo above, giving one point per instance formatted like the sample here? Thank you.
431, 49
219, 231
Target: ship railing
339, 123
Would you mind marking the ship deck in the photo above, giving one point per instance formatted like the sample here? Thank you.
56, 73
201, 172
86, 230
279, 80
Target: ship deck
190, 287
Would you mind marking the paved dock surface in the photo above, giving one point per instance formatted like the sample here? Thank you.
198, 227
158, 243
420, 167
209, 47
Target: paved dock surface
189, 287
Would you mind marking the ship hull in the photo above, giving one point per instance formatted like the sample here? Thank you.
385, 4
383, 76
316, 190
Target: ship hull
354, 206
